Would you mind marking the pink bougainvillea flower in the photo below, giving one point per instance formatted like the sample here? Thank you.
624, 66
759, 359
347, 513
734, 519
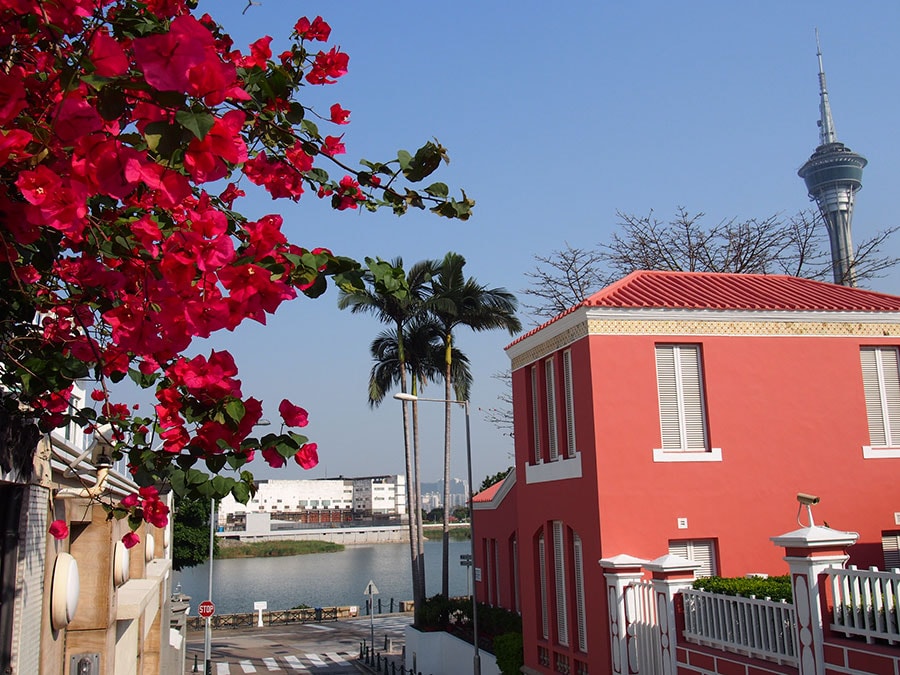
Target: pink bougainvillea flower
273, 458
307, 456
108, 56
327, 67
59, 529
315, 30
293, 415
333, 146
131, 540
339, 115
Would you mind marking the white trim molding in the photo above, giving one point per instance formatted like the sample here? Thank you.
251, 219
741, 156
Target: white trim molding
711, 455
870, 452
560, 469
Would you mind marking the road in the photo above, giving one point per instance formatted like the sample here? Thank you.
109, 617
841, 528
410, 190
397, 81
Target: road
323, 648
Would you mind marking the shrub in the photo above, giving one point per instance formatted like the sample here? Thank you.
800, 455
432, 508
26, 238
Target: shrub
774, 588
509, 652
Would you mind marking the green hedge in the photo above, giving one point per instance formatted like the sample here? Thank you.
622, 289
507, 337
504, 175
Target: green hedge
454, 615
774, 588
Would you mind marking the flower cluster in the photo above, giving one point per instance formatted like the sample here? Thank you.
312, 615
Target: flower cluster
116, 116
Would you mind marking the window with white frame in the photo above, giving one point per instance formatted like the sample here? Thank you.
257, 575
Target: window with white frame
535, 415
580, 608
701, 551
559, 577
681, 402
552, 431
542, 569
881, 384
569, 400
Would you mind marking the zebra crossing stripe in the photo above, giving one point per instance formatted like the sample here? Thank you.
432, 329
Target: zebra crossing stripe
247, 666
334, 656
271, 663
316, 660
222, 669
294, 662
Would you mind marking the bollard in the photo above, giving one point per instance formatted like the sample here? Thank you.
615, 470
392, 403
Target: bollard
378, 662
392, 605
379, 605
195, 665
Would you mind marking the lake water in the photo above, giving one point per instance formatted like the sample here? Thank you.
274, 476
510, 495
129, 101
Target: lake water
322, 579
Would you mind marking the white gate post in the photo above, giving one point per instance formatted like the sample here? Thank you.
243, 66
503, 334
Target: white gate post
810, 551
623, 570
670, 575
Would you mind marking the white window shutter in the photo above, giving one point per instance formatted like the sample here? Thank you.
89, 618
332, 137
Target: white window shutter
552, 431
681, 402
569, 393
580, 608
701, 551
890, 546
535, 416
875, 412
881, 386
559, 573
545, 610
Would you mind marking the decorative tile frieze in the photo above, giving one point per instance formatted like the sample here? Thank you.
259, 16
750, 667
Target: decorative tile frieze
703, 328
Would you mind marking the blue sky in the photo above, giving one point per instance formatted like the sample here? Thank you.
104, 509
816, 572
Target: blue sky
556, 116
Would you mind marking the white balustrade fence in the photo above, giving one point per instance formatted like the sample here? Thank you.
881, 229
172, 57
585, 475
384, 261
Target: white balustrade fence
866, 603
760, 628
641, 613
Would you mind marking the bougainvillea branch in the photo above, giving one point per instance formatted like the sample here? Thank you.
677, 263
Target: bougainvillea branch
120, 123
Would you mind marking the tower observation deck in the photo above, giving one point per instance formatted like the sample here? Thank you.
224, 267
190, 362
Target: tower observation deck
833, 175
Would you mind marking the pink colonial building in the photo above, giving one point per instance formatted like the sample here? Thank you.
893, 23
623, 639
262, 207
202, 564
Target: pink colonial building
681, 413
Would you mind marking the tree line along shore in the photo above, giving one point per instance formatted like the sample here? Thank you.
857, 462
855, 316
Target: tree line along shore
266, 549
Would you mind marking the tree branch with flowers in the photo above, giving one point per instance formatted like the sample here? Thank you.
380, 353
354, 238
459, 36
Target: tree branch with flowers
126, 131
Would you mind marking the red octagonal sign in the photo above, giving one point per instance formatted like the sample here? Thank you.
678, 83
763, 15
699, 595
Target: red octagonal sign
206, 609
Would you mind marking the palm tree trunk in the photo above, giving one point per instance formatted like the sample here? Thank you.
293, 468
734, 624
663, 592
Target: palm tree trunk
445, 551
413, 522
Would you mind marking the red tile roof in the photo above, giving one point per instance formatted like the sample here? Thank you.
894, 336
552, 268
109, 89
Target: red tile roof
708, 290
488, 493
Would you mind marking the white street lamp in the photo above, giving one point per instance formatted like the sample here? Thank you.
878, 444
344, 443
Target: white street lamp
402, 396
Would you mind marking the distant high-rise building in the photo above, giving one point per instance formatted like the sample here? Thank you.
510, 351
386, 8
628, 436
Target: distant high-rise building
833, 174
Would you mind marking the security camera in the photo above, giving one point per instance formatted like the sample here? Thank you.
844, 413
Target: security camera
807, 500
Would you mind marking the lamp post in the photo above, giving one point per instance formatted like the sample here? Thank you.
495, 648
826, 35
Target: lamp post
207, 642
400, 396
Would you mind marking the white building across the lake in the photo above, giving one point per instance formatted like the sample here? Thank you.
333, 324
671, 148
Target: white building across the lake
368, 495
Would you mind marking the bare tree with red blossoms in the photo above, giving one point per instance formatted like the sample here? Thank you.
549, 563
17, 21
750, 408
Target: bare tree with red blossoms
114, 115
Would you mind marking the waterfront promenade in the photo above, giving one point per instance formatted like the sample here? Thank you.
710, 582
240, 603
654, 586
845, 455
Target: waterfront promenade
329, 648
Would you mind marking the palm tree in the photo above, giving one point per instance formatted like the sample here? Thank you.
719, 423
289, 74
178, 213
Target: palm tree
457, 301
424, 363
398, 311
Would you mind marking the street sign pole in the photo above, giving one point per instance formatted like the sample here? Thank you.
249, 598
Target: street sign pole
371, 591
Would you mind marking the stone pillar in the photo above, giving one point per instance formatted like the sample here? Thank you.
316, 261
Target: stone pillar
670, 574
623, 570
810, 551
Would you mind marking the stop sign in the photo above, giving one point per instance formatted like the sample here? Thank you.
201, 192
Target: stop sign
206, 609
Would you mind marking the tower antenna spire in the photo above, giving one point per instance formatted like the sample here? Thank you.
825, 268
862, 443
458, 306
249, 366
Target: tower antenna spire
833, 176
827, 133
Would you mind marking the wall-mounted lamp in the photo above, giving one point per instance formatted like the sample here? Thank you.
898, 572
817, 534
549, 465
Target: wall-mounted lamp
64, 591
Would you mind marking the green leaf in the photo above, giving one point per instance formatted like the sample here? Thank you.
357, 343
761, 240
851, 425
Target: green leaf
404, 158
439, 190
198, 123
235, 409
241, 492
215, 462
